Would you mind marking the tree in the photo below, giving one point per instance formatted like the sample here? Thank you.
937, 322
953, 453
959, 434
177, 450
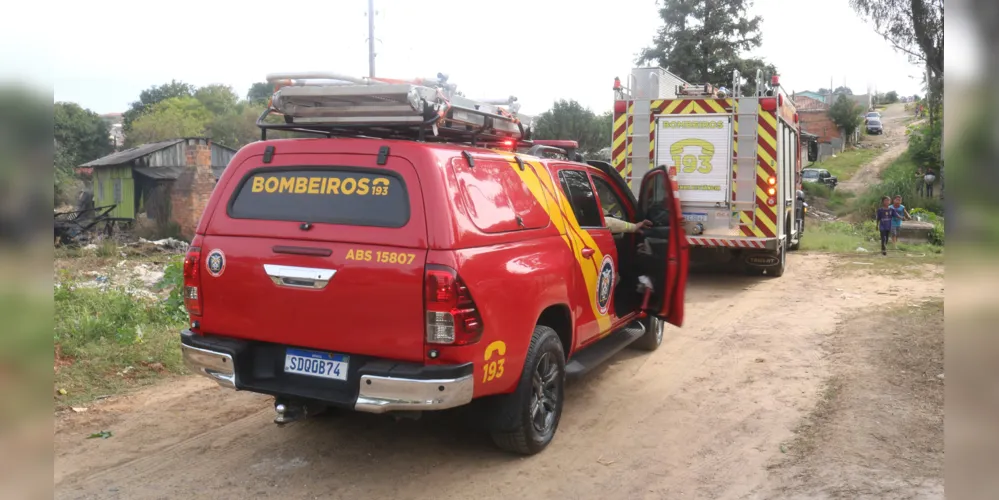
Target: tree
846, 114
80, 136
170, 119
702, 41
151, 97
914, 27
81, 133
570, 120
260, 93
891, 97
219, 99
237, 128
843, 89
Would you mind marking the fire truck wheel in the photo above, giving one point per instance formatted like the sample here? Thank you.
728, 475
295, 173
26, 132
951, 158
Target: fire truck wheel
655, 328
778, 270
535, 408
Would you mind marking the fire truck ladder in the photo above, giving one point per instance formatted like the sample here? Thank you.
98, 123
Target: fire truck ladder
423, 109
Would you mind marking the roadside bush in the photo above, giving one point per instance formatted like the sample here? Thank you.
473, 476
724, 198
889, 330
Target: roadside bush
816, 190
898, 179
173, 280
89, 314
937, 235
109, 339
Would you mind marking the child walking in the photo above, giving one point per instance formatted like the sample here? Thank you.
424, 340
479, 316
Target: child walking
896, 222
884, 216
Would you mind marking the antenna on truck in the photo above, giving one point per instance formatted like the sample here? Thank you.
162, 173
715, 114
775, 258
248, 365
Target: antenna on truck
423, 109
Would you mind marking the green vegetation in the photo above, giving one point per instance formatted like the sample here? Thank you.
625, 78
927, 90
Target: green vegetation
844, 237
898, 179
846, 114
847, 163
112, 338
835, 201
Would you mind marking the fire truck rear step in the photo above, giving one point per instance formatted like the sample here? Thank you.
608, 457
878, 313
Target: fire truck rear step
597, 353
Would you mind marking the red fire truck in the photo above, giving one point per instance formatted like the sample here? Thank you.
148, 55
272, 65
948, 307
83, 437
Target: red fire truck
736, 159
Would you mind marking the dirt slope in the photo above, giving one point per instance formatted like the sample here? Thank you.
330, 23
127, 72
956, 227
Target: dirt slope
893, 140
702, 417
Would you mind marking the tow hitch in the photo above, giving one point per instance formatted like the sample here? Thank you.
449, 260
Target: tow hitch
289, 411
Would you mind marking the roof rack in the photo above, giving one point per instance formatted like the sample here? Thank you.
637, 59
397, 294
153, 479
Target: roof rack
423, 109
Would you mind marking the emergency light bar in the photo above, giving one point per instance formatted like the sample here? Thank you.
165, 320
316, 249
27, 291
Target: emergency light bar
332, 104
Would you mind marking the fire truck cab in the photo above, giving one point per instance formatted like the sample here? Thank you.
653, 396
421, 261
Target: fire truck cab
735, 156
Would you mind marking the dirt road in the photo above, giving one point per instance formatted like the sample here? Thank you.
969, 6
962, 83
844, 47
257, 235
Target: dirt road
716, 412
894, 140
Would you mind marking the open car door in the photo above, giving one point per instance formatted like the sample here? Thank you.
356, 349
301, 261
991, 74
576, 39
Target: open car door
665, 255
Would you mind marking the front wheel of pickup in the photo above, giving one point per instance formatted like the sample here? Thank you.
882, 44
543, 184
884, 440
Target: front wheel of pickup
536, 405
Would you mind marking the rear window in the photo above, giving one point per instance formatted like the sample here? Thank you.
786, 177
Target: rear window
340, 195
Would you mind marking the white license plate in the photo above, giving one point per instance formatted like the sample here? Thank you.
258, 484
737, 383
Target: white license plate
691, 217
316, 364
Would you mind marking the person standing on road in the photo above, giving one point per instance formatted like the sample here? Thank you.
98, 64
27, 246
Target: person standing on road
884, 216
896, 221
929, 178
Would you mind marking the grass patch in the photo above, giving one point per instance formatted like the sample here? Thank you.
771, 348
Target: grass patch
844, 237
822, 197
899, 178
847, 163
110, 339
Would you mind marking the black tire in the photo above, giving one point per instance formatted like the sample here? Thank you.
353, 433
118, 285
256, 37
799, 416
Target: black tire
655, 329
778, 270
529, 431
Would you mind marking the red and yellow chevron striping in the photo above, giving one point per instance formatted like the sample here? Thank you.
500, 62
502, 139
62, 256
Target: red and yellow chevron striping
766, 154
618, 139
682, 107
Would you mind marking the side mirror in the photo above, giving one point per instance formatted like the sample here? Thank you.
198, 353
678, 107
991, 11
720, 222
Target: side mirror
813, 151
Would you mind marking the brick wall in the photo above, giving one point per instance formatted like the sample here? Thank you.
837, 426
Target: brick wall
190, 192
819, 123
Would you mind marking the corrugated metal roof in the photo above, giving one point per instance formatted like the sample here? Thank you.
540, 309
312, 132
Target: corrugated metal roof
131, 154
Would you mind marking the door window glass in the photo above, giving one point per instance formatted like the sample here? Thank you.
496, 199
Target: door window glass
576, 186
610, 202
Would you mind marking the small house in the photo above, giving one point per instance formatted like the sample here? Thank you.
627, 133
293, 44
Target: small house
169, 181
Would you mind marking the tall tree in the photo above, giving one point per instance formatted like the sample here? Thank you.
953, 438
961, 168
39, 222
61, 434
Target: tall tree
151, 97
219, 99
81, 133
80, 136
843, 89
914, 27
260, 93
703, 41
570, 120
172, 118
846, 114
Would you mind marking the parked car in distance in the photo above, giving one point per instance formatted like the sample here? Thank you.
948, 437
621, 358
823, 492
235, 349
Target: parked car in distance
874, 127
818, 175
873, 115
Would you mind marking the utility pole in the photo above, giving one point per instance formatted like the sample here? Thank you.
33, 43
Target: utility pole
371, 38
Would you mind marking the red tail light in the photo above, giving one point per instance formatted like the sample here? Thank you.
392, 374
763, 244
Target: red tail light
192, 279
451, 315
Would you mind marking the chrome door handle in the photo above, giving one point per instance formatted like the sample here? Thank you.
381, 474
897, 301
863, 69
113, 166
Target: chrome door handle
299, 277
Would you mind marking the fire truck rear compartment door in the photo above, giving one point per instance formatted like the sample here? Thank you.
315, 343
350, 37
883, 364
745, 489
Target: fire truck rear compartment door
700, 147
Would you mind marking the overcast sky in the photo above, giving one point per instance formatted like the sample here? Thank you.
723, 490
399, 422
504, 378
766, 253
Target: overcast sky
102, 54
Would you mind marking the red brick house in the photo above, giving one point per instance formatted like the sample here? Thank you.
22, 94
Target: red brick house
813, 116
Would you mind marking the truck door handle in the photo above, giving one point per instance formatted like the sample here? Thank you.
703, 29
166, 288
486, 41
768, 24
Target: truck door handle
299, 277
587, 252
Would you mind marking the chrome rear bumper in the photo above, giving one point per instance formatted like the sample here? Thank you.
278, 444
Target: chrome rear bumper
217, 366
384, 394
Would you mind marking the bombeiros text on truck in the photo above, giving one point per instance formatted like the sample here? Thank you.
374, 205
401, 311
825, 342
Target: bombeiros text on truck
421, 252
737, 161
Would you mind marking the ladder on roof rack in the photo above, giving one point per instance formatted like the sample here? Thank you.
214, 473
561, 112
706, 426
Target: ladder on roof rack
422, 109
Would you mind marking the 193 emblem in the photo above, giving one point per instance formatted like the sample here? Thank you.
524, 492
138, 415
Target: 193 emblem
215, 262
605, 284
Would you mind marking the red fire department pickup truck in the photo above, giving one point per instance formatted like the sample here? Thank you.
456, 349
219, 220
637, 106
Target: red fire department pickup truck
394, 274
